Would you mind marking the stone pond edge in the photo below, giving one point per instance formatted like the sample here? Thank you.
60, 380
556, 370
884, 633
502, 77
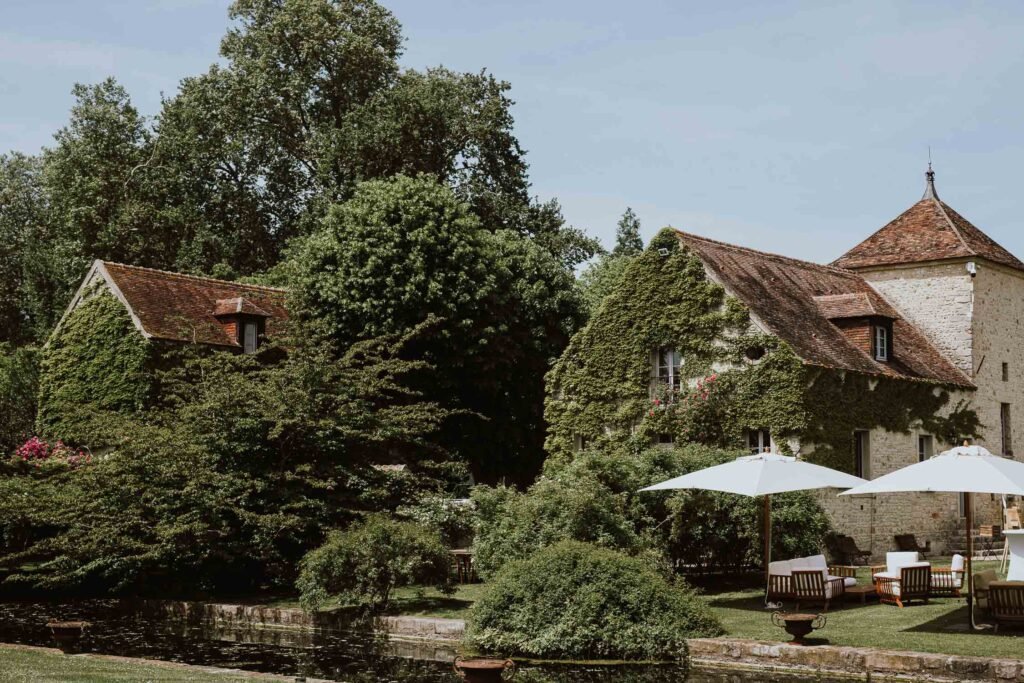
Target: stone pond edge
706, 652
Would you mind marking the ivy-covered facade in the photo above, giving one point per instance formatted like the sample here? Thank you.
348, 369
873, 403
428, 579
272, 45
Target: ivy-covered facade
688, 349
124, 325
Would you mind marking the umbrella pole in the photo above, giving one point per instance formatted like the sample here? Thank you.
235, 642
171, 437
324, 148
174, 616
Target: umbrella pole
767, 535
969, 519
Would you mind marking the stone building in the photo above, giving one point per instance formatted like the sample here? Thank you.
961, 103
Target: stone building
928, 305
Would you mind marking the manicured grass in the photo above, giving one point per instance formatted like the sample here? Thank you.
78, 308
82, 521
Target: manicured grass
939, 626
44, 666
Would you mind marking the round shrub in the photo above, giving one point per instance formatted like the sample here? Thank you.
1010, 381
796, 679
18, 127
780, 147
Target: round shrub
575, 600
365, 563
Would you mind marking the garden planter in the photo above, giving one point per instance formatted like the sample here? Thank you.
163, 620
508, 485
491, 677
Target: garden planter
484, 670
67, 634
798, 625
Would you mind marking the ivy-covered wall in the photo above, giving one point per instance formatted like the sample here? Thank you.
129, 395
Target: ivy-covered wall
734, 378
96, 367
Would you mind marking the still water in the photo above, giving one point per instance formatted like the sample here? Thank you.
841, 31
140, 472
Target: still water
350, 657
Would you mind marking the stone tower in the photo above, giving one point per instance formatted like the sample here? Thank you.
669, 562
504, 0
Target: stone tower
966, 293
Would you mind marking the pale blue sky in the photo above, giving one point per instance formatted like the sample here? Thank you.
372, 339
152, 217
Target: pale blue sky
794, 127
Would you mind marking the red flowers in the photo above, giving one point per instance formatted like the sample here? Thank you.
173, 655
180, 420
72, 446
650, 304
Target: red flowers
36, 450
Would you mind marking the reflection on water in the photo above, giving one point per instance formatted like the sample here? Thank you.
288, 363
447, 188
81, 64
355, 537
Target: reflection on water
351, 657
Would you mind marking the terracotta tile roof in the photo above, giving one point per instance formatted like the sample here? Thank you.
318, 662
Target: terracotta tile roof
236, 306
181, 308
856, 305
783, 294
928, 231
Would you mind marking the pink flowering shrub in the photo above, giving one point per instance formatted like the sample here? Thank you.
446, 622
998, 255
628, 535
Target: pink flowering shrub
36, 451
689, 414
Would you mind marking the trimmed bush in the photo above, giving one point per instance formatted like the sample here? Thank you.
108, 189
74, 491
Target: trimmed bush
575, 600
512, 525
364, 564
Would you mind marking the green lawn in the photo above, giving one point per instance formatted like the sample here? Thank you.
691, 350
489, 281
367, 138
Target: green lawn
939, 626
43, 666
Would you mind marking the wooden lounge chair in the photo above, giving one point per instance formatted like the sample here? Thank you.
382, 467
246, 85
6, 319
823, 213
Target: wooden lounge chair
949, 580
1006, 602
907, 543
813, 586
844, 550
982, 581
912, 583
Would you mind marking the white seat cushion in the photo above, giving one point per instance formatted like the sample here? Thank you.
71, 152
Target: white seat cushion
894, 561
888, 575
780, 568
817, 562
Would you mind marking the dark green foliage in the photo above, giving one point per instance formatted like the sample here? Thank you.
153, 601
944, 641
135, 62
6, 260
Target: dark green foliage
512, 525
95, 371
405, 251
24, 308
19, 380
574, 600
596, 498
364, 564
239, 472
453, 518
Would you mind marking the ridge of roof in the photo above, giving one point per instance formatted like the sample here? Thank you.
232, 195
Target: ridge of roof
768, 254
956, 231
198, 278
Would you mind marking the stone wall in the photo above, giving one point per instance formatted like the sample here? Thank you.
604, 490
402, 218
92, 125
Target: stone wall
873, 520
938, 299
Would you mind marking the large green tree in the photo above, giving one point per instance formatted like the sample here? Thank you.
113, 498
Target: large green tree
241, 469
406, 251
26, 299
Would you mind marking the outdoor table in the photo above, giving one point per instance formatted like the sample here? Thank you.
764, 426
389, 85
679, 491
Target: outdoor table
1015, 542
862, 591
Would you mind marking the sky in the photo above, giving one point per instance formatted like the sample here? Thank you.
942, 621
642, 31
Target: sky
792, 127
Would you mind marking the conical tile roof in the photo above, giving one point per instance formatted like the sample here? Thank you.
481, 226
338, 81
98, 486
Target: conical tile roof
928, 231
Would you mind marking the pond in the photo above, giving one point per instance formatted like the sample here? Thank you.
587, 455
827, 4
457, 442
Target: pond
341, 656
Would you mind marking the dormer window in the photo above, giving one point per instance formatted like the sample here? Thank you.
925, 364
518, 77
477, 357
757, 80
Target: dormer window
243, 322
881, 343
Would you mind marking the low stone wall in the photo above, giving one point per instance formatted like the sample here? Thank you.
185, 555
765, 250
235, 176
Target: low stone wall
855, 660
413, 628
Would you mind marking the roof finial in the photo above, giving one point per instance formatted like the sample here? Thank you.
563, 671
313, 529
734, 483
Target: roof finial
929, 188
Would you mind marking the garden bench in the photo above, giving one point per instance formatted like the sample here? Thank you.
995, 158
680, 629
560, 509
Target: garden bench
845, 551
907, 543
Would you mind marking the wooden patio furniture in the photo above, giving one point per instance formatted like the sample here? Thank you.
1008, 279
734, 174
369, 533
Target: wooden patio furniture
912, 583
844, 550
812, 586
982, 581
1006, 602
780, 575
948, 581
907, 543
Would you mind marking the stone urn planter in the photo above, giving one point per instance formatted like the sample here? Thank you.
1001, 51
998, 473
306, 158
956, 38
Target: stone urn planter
67, 634
482, 670
798, 625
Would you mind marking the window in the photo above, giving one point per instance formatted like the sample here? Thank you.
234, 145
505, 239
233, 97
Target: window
579, 442
668, 365
1006, 372
759, 441
249, 336
881, 342
961, 505
1006, 428
861, 455
666, 439
924, 447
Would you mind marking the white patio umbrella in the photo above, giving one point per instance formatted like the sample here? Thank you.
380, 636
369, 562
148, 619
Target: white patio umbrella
762, 475
964, 469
